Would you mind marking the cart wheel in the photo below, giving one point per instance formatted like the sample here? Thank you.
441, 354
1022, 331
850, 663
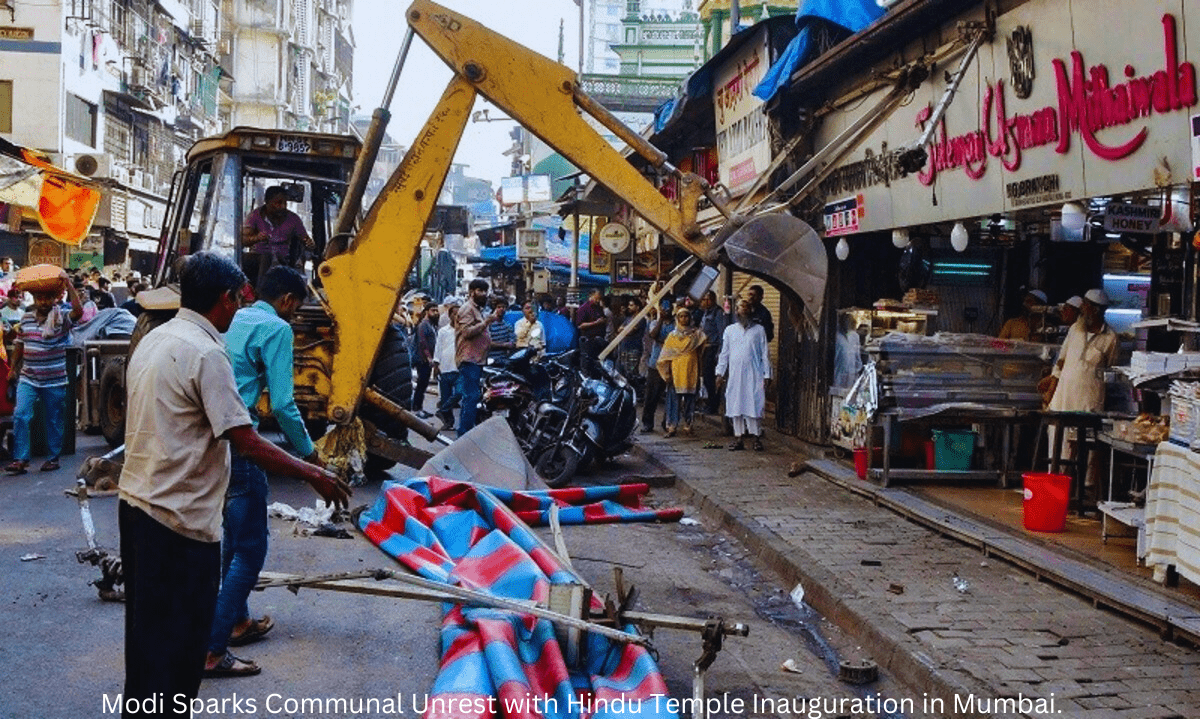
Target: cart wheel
840, 452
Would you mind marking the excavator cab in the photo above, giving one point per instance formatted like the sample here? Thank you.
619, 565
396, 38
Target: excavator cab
226, 178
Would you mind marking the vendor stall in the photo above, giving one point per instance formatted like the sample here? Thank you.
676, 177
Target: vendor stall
955, 380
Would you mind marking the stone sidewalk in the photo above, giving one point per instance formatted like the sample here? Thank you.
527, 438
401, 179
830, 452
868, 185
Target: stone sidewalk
894, 585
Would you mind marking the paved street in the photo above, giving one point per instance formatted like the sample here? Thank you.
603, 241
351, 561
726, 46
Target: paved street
1006, 635
64, 649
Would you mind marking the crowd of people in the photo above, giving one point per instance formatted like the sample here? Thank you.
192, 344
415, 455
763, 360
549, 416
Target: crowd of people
685, 357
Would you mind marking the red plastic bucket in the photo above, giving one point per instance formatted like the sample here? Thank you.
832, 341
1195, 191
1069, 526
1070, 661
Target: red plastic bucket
862, 458
1046, 499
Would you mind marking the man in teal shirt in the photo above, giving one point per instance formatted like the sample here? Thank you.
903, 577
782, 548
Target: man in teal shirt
259, 343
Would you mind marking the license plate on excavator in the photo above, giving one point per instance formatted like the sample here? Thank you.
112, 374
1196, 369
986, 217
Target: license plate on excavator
290, 143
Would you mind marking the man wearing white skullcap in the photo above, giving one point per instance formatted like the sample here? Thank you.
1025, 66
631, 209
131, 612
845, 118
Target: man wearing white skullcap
1077, 382
1029, 326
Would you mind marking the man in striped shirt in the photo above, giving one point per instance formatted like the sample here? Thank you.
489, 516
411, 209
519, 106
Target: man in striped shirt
40, 361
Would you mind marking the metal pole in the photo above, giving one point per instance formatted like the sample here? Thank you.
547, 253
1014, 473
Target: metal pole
580, 4
348, 212
574, 285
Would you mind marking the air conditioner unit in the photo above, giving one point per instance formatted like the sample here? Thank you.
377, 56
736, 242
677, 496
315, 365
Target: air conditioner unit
96, 165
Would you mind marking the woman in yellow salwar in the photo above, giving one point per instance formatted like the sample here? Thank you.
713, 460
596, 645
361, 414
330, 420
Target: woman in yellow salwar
679, 365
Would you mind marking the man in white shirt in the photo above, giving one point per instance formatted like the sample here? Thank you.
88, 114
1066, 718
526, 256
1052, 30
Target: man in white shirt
444, 367
530, 330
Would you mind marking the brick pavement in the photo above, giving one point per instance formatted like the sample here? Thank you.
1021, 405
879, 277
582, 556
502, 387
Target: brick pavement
1007, 635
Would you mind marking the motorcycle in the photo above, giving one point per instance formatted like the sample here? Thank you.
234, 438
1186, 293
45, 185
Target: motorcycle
609, 422
563, 442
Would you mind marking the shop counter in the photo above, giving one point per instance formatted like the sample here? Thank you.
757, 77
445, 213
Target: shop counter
1173, 513
950, 414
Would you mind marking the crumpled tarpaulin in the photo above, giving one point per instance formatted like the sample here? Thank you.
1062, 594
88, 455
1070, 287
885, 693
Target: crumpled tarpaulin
495, 663
65, 203
846, 16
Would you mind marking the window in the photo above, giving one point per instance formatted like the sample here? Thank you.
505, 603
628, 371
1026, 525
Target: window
6, 106
81, 120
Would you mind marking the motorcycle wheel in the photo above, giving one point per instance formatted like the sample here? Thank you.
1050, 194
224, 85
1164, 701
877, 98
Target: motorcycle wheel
557, 465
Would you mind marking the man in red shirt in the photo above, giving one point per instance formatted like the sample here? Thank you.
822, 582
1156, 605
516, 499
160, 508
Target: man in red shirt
590, 321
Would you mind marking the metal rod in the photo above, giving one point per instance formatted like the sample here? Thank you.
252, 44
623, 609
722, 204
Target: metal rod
654, 299
348, 212
482, 599
639, 144
398, 413
951, 89
882, 109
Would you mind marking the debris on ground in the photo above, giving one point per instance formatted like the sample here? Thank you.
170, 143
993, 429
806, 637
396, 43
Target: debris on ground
797, 595
961, 584
789, 665
689, 522
31, 557
796, 469
310, 520
895, 588
863, 672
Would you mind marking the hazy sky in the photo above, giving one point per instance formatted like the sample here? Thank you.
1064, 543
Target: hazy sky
379, 28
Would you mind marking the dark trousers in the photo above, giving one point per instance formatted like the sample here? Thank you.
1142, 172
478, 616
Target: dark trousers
418, 398
655, 387
708, 374
170, 595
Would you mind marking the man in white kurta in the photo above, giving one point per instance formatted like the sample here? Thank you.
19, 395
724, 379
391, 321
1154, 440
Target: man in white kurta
1089, 349
745, 368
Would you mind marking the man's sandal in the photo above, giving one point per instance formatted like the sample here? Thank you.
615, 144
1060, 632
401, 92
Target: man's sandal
231, 666
256, 630
16, 467
50, 465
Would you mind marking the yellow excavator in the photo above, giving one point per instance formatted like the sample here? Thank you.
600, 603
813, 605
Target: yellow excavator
350, 362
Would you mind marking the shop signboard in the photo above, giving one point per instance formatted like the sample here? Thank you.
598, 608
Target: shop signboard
44, 251
743, 142
1051, 110
531, 243
1122, 217
841, 217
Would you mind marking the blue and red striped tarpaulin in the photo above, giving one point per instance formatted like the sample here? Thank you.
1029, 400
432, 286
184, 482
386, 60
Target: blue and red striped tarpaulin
496, 663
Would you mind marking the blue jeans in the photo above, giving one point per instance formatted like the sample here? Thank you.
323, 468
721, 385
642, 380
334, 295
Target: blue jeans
680, 406
243, 548
448, 396
53, 400
470, 377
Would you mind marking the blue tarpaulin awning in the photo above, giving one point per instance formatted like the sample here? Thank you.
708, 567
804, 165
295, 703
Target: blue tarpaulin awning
848, 16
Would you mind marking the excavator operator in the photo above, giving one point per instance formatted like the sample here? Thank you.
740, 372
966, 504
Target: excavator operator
273, 235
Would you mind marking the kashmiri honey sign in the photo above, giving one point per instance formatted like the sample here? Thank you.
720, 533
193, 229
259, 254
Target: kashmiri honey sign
743, 142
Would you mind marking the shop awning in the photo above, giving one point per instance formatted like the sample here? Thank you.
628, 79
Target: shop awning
65, 204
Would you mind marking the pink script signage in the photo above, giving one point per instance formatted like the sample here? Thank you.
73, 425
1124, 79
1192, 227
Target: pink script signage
1087, 103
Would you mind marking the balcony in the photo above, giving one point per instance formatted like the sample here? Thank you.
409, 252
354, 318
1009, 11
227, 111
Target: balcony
626, 93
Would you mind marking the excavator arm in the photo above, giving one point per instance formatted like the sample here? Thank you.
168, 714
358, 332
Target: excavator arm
363, 282
546, 98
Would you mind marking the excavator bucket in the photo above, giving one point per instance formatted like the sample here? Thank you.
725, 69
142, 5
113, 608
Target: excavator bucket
789, 254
